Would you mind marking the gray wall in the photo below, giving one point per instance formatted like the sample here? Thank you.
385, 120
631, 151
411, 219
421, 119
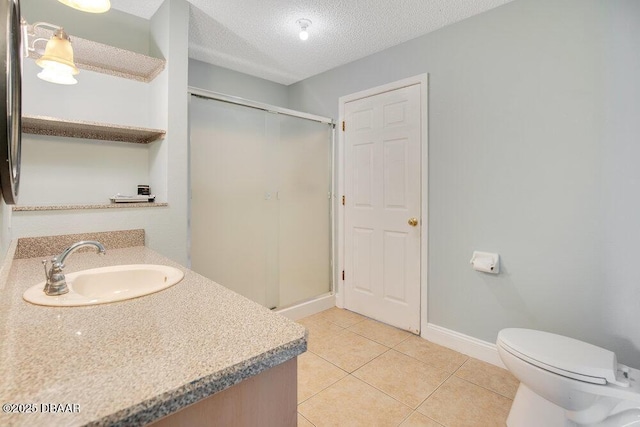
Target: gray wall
229, 82
533, 153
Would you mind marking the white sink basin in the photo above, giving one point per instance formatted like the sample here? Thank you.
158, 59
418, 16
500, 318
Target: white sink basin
108, 284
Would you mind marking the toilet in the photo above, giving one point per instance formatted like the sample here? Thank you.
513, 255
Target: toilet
565, 382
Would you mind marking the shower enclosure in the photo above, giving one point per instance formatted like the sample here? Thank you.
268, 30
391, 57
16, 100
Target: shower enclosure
260, 211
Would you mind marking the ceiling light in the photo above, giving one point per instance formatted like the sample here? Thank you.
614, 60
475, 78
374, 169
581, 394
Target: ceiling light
91, 6
304, 24
57, 60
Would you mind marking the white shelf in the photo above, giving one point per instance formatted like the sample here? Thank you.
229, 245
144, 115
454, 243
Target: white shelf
102, 58
33, 208
42, 125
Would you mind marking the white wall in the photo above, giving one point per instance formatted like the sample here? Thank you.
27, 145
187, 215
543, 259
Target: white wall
168, 161
533, 154
78, 171
45, 99
52, 166
114, 28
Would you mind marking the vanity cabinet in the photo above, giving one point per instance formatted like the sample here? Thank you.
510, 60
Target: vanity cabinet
267, 399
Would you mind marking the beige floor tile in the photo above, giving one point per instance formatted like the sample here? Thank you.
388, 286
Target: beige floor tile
319, 330
315, 374
489, 376
402, 377
433, 354
349, 351
417, 420
339, 316
380, 332
462, 404
351, 402
303, 422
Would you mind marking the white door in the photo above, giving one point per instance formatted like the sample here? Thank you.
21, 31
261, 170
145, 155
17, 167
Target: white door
382, 206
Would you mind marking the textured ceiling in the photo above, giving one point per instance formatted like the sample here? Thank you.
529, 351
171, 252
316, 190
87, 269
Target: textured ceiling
260, 37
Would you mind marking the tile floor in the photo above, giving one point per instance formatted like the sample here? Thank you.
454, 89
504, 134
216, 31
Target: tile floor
360, 372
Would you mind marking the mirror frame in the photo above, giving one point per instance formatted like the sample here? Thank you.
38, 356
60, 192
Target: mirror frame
11, 92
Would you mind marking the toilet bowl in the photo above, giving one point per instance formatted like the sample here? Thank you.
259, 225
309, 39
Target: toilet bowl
565, 382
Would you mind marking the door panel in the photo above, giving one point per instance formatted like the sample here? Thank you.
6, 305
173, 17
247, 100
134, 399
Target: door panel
362, 254
395, 174
383, 191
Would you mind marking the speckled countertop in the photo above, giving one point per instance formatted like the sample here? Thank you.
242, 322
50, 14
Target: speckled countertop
131, 362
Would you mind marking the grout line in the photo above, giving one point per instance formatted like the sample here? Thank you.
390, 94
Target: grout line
374, 340
460, 367
388, 348
340, 379
403, 340
422, 361
433, 392
319, 391
383, 392
305, 418
370, 361
330, 362
406, 418
481, 386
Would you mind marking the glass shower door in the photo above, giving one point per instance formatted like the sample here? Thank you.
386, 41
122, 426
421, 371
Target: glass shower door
304, 171
260, 220
230, 221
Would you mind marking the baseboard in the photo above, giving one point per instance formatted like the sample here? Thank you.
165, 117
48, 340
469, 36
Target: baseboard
474, 347
308, 308
487, 352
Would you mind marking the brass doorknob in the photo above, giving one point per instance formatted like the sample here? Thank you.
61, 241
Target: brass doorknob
413, 222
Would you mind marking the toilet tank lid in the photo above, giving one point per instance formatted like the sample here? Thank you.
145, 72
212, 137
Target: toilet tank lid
562, 355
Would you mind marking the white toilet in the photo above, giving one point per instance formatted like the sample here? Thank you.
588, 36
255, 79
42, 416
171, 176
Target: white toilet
565, 382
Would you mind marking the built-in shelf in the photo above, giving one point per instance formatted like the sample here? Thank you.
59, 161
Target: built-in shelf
42, 125
102, 58
19, 208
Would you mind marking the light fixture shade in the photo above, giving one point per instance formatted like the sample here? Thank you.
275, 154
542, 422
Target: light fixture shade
57, 73
91, 6
57, 61
58, 50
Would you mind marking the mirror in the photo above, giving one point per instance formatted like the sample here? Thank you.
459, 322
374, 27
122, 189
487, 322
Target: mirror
11, 92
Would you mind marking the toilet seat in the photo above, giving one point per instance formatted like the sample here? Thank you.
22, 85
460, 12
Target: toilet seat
562, 355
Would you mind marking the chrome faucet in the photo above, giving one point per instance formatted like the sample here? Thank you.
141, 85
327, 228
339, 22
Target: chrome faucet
56, 282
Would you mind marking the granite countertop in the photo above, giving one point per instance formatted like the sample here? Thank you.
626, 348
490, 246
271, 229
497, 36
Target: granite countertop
135, 361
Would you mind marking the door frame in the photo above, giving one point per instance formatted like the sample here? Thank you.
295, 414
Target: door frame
339, 283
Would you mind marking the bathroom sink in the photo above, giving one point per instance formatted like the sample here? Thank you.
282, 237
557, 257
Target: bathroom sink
108, 284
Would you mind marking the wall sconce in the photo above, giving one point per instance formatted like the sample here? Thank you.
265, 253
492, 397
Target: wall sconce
304, 24
91, 6
57, 60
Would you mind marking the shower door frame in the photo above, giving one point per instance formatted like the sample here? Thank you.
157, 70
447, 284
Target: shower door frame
217, 96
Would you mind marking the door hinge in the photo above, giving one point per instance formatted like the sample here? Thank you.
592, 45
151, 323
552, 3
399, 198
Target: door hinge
342, 274
343, 126
343, 200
